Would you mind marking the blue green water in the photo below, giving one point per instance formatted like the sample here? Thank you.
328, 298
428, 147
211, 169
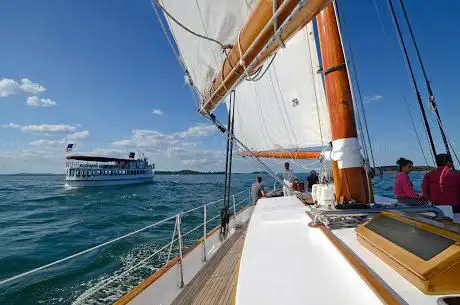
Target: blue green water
41, 221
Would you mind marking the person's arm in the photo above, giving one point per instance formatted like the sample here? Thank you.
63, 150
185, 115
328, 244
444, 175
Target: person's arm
407, 187
426, 187
262, 192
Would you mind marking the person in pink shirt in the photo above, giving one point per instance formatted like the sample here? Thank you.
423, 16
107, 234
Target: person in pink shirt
403, 187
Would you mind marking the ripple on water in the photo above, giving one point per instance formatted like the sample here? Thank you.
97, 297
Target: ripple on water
41, 220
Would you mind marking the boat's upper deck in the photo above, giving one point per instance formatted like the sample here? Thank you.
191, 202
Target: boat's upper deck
292, 263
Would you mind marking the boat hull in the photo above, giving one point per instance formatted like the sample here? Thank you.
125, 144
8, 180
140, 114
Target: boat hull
109, 181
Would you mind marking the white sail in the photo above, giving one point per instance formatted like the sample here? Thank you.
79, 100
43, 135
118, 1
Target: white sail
218, 19
287, 108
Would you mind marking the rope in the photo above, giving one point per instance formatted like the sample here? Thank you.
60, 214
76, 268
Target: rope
261, 164
427, 82
177, 55
416, 133
157, 2
411, 75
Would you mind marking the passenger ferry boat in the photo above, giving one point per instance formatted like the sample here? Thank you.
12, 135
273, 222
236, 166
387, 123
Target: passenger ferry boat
82, 171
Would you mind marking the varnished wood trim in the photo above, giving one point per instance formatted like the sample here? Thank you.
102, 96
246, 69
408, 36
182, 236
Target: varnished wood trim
125, 299
386, 296
146, 283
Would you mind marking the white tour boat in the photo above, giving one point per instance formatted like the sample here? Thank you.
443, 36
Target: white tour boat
83, 171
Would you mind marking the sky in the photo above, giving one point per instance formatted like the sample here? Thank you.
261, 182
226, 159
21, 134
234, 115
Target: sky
101, 74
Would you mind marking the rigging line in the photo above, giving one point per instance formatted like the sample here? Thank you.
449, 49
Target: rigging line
412, 76
227, 153
206, 32
264, 130
427, 82
177, 55
223, 46
361, 104
358, 87
232, 131
313, 76
448, 140
355, 108
280, 107
415, 130
283, 108
382, 26
269, 171
259, 77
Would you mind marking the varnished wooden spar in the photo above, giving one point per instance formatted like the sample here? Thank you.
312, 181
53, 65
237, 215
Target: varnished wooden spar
351, 183
263, 12
304, 155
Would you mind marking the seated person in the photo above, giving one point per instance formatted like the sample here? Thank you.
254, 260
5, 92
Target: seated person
403, 187
257, 190
312, 179
442, 185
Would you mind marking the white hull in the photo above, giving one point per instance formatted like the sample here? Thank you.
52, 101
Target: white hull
108, 181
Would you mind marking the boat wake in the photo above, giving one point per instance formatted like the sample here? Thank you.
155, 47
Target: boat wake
116, 284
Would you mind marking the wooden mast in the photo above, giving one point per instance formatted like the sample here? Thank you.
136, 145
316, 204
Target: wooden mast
349, 176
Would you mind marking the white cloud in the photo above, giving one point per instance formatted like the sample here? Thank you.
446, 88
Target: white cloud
200, 130
157, 111
154, 140
42, 128
79, 135
49, 143
11, 87
34, 101
30, 87
373, 98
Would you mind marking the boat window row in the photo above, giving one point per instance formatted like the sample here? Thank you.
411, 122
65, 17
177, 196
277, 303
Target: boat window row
117, 172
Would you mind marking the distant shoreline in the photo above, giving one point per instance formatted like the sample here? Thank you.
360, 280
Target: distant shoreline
390, 168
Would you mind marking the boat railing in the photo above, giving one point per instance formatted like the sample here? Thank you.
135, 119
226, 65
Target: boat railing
177, 237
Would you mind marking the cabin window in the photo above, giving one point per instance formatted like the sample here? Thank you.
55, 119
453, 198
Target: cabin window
78, 173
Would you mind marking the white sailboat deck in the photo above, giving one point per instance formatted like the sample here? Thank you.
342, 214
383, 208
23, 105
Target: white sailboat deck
284, 261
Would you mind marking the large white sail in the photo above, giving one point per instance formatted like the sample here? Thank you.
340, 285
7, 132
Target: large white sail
218, 19
287, 108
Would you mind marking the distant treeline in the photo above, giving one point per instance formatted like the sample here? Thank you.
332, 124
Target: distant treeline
395, 168
187, 172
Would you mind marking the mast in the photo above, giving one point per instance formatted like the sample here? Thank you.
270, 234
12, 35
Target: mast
350, 178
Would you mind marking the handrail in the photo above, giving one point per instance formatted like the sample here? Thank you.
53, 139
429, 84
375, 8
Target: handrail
35, 270
142, 262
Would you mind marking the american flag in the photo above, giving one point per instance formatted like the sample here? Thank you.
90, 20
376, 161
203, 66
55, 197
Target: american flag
69, 147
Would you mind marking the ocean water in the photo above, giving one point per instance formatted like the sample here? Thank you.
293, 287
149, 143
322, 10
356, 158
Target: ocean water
42, 221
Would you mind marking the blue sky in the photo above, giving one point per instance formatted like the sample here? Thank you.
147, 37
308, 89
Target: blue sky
100, 72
